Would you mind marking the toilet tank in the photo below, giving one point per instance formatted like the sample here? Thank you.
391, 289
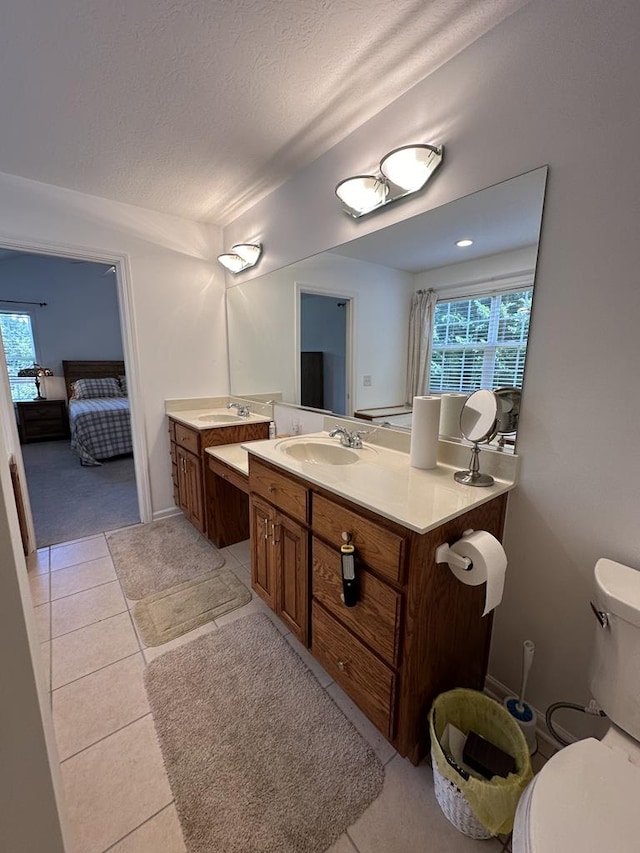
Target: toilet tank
615, 669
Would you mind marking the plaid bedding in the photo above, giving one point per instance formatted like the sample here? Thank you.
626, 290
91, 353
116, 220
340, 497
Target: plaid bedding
100, 428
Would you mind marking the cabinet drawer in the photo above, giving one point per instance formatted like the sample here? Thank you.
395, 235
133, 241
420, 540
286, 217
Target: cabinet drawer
240, 481
288, 495
188, 438
369, 682
376, 616
378, 547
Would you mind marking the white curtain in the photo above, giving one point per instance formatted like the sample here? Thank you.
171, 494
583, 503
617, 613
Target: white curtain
423, 309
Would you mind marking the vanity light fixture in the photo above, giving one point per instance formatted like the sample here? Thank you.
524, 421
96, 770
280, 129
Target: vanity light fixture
403, 171
462, 244
241, 257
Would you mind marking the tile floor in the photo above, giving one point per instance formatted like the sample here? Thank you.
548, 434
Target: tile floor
117, 791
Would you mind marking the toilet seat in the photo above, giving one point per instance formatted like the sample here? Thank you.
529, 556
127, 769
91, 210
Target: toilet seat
584, 799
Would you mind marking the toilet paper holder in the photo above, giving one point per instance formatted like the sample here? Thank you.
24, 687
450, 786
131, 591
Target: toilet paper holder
444, 554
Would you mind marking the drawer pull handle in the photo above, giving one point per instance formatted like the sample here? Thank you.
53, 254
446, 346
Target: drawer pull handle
347, 536
342, 665
265, 521
271, 488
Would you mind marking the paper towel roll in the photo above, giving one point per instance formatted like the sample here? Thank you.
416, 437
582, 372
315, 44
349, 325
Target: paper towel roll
424, 432
489, 565
450, 409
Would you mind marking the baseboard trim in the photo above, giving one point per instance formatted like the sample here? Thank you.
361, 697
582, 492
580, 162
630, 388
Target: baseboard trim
166, 513
546, 743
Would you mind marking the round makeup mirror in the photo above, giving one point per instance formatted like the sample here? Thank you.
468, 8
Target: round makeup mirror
478, 421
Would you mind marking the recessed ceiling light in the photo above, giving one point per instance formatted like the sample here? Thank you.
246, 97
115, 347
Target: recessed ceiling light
463, 243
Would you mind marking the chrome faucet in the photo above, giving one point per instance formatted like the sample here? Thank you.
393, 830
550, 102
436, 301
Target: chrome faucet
243, 411
349, 439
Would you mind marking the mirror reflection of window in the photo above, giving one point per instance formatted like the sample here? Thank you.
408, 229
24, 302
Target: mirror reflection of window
480, 342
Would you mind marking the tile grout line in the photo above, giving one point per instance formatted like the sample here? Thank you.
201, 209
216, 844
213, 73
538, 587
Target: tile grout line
104, 737
131, 619
80, 562
140, 825
346, 832
88, 625
50, 632
86, 589
99, 669
113, 616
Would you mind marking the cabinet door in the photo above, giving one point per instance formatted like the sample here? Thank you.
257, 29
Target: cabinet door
291, 544
194, 485
190, 487
263, 564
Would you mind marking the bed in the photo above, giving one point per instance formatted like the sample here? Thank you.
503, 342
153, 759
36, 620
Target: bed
100, 425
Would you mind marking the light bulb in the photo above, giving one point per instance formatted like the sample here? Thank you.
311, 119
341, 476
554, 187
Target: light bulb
411, 166
362, 193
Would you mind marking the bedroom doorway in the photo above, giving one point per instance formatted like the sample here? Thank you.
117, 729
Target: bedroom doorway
324, 347
56, 310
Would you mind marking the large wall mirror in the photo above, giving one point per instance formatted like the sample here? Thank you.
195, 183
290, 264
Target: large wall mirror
332, 331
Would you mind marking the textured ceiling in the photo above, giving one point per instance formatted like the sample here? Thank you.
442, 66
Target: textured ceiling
201, 107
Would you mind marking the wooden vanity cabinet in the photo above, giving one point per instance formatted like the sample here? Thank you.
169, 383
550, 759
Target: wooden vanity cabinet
415, 631
188, 462
280, 545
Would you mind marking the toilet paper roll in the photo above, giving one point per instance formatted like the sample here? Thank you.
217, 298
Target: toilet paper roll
450, 409
424, 432
489, 565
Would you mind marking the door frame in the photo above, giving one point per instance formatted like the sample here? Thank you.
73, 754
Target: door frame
350, 360
126, 313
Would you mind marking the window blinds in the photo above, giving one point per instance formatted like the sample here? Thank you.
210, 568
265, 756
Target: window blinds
480, 342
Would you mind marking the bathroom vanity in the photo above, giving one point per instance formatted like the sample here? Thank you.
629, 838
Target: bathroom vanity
191, 431
415, 631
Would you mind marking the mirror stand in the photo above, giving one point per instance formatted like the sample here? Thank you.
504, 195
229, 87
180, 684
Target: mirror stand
473, 477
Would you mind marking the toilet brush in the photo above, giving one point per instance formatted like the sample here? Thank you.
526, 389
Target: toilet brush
522, 713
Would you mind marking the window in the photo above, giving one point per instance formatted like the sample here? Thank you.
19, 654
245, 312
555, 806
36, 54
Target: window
20, 351
480, 342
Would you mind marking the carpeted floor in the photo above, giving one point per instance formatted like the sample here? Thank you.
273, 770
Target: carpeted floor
259, 757
69, 501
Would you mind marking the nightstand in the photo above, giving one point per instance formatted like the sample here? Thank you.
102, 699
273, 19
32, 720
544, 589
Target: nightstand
42, 420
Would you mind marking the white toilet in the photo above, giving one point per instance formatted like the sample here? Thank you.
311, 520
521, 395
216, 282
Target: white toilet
587, 797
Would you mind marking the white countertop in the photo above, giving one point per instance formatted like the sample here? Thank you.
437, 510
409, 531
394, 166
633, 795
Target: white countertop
384, 482
233, 455
196, 418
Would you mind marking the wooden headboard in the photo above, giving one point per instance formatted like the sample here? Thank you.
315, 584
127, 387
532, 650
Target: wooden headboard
90, 370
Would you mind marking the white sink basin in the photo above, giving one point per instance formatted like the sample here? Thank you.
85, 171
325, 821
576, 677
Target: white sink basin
321, 452
220, 418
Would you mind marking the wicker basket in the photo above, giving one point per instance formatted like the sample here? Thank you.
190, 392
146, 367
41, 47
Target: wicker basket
455, 806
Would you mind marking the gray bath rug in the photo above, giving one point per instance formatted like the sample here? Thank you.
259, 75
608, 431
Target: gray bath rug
258, 755
179, 609
150, 558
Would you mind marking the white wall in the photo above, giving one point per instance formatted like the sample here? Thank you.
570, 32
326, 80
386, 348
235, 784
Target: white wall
177, 294
513, 263
556, 83
29, 768
264, 359
80, 319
